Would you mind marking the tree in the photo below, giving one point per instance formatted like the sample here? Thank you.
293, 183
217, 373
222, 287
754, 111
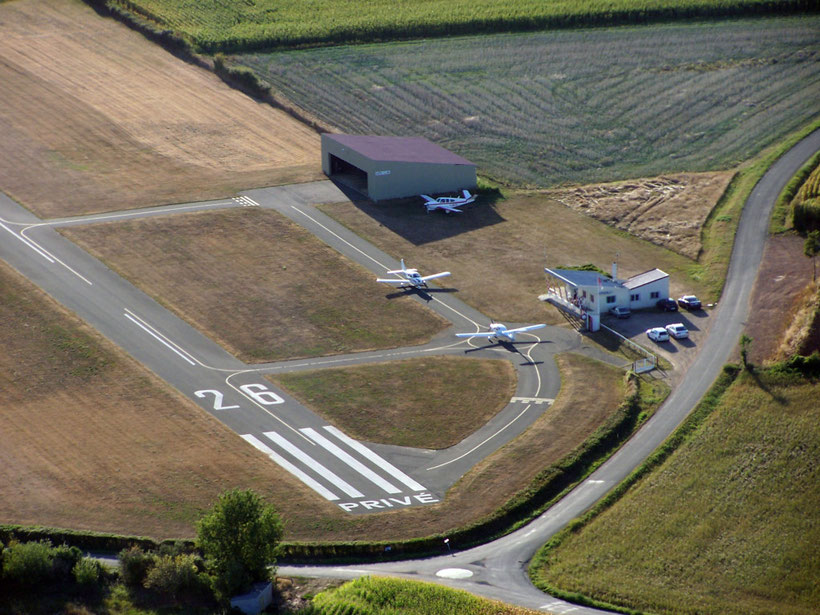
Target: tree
811, 248
239, 538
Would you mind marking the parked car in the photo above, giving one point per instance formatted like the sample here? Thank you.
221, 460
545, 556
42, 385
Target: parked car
690, 302
677, 330
658, 334
667, 305
620, 312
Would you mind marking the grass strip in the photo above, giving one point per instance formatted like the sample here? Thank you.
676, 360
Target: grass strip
703, 410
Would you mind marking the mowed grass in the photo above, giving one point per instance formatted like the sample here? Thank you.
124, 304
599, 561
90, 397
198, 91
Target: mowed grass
258, 284
213, 26
90, 440
575, 106
497, 254
728, 524
429, 403
383, 596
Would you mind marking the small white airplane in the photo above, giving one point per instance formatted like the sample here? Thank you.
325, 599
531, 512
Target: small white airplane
411, 278
448, 203
500, 332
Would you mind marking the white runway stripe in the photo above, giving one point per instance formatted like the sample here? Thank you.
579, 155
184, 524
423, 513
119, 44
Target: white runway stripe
314, 465
353, 463
379, 461
287, 465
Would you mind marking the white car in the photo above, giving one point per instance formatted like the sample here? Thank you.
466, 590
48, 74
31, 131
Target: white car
677, 330
658, 334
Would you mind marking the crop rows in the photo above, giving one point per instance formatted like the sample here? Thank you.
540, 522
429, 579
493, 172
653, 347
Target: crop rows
215, 25
572, 106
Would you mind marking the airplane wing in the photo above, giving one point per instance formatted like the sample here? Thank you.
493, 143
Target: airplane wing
449, 208
522, 329
443, 274
482, 334
428, 199
391, 280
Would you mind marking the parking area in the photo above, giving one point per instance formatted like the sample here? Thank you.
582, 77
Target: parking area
679, 352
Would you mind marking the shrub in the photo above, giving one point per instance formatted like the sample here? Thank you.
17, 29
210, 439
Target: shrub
172, 574
134, 565
87, 572
27, 563
64, 559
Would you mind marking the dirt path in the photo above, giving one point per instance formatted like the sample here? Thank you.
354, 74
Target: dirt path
97, 118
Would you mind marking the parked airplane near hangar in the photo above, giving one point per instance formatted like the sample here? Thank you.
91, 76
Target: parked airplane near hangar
501, 333
448, 203
410, 278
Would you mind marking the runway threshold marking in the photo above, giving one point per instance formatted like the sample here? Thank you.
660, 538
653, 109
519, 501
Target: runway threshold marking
317, 467
287, 465
350, 461
379, 461
184, 354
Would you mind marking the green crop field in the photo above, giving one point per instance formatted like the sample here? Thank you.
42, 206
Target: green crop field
572, 106
728, 524
214, 25
381, 596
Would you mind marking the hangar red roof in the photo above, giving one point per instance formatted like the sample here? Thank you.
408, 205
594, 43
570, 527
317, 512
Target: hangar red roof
398, 149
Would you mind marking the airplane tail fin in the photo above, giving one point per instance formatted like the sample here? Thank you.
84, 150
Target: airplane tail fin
466, 194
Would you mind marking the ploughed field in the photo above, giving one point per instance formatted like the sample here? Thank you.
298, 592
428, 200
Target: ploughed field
574, 106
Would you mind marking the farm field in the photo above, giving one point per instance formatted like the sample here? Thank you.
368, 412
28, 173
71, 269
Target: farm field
217, 26
497, 253
97, 118
382, 596
725, 525
223, 270
393, 403
571, 107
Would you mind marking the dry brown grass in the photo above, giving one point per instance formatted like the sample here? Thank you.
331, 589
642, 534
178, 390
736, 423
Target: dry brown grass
260, 285
590, 393
89, 439
432, 402
497, 253
98, 118
669, 211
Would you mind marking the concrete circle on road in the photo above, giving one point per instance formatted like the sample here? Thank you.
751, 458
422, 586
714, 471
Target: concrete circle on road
454, 573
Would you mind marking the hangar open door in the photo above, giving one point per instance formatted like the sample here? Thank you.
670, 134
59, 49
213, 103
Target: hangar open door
348, 174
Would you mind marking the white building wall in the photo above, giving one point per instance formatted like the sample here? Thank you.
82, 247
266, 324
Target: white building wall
647, 296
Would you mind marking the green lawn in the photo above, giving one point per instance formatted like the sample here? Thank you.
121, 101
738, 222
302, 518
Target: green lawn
727, 524
572, 106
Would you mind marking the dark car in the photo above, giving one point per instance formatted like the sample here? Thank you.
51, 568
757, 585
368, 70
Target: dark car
690, 302
667, 305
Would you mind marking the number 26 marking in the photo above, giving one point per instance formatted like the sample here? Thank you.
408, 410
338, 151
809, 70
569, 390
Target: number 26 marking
217, 398
258, 393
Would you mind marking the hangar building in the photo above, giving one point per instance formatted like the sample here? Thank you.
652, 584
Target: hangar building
395, 167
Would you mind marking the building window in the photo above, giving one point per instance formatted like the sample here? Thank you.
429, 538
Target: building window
635, 297
655, 295
610, 299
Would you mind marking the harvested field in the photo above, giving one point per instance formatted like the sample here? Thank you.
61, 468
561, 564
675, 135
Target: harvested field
669, 211
90, 440
497, 253
96, 118
574, 106
784, 274
258, 284
391, 403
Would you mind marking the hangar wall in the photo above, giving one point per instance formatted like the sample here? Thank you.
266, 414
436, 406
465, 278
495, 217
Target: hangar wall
389, 178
